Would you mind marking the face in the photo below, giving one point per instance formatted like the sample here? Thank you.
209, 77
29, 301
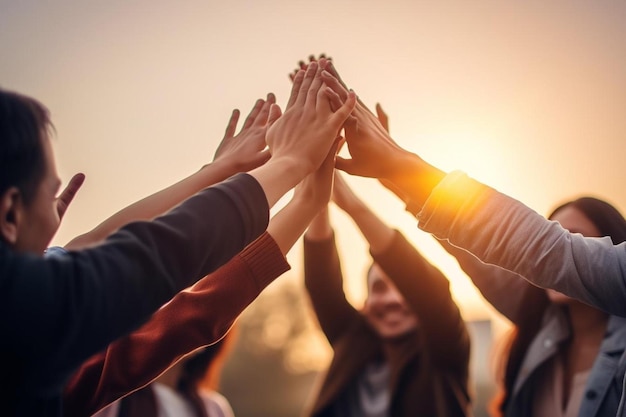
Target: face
386, 309
575, 221
39, 220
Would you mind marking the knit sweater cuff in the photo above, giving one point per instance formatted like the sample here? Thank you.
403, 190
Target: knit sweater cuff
264, 258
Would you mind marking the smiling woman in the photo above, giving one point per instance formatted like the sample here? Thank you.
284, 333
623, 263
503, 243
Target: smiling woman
139, 92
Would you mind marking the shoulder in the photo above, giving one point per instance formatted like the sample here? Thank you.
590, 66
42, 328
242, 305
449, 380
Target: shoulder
216, 404
170, 403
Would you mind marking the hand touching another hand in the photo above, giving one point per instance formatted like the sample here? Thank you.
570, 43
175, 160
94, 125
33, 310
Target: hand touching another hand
309, 126
375, 154
246, 150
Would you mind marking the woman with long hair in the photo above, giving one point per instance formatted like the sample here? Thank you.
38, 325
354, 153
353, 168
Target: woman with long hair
564, 358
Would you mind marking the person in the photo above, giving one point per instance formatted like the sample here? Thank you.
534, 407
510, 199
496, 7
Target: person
406, 353
58, 311
201, 315
177, 392
235, 153
494, 227
565, 358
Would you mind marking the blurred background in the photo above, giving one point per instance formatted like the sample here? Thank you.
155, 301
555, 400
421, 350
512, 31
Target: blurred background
528, 97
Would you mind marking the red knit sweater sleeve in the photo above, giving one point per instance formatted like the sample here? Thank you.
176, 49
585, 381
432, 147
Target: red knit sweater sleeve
196, 317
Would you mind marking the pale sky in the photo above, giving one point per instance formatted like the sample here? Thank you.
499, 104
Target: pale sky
528, 97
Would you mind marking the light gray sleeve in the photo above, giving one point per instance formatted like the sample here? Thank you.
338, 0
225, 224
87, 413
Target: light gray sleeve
502, 231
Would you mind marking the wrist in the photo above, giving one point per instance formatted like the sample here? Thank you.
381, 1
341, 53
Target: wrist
415, 178
320, 228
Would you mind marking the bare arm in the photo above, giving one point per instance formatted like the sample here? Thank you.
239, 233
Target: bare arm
424, 287
300, 139
203, 314
236, 153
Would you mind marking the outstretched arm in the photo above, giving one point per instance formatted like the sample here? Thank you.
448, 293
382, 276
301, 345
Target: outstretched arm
424, 287
236, 153
201, 315
323, 278
300, 139
503, 289
494, 227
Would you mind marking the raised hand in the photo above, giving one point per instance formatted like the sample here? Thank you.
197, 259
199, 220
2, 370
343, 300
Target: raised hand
67, 195
372, 150
309, 126
246, 150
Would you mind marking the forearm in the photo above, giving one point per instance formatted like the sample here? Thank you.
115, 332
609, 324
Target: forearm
375, 231
192, 319
127, 278
503, 289
320, 228
278, 176
324, 283
502, 231
289, 223
157, 203
413, 179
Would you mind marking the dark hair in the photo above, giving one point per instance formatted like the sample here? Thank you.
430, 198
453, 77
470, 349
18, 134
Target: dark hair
23, 124
609, 222
604, 216
194, 368
198, 366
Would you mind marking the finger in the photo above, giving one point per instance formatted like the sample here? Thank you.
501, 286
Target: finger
68, 194
333, 98
345, 165
261, 118
382, 117
231, 127
332, 82
302, 65
330, 67
295, 88
341, 115
315, 88
309, 76
274, 114
253, 113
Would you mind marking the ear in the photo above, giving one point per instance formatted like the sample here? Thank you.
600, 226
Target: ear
11, 208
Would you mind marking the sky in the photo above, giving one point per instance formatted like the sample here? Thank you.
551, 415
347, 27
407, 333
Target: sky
528, 97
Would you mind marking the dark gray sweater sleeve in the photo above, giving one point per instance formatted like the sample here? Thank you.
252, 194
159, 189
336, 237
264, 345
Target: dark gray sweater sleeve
59, 311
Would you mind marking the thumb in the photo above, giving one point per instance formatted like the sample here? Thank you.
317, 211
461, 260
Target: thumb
345, 165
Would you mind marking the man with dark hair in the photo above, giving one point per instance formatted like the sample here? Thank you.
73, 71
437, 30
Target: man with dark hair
58, 311
21, 154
